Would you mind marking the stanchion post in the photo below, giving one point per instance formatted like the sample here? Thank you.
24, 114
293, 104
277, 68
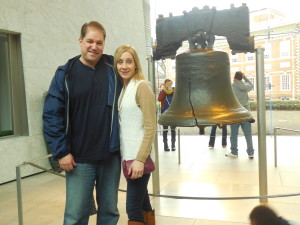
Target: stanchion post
261, 117
275, 146
179, 149
155, 173
19, 195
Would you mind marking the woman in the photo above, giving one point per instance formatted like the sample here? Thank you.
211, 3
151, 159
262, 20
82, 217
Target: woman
165, 97
137, 131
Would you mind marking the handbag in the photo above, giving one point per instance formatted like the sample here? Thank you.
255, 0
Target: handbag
148, 168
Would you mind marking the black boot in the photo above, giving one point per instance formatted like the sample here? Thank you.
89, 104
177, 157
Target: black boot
165, 138
173, 145
201, 130
166, 147
173, 138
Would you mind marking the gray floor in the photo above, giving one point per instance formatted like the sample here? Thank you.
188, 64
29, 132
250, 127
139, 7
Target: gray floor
203, 172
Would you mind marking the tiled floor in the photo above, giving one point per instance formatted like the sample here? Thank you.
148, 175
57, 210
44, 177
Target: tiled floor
203, 172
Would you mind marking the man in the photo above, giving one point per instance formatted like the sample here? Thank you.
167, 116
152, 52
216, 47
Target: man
81, 127
212, 137
165, 97
241, 90
264, 215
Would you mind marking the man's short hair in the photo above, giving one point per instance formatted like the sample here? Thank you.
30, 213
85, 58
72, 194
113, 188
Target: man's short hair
93, 24
238, 75
263, 215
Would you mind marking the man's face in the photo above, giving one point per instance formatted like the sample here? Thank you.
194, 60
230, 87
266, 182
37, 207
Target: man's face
92, 46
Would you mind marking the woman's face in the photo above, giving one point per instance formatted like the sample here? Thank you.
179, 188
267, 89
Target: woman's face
126, 67
169, 85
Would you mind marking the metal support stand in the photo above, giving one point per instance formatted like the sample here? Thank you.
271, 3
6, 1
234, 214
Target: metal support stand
179, 150
261, 116
275, 141
275, 146
155, 173
19, 195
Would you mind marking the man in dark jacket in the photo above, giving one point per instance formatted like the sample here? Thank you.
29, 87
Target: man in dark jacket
81, 127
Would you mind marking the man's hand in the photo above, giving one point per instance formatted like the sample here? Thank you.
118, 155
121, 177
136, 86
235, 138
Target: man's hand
67, 163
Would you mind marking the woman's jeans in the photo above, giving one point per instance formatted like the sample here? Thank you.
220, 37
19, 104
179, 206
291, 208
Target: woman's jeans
213, 136
137, 199
80, 184
246, 127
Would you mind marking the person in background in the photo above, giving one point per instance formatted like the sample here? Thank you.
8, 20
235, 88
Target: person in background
241, 90
137, 109
264, 215
81, 127
212, 137
165, 97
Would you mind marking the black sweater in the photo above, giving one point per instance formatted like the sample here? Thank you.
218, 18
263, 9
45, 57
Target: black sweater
90, 116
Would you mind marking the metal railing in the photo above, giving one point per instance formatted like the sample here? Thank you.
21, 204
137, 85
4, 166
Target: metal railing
275, 141
19, 185
32, 163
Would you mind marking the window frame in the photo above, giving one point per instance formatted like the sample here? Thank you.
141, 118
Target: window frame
250, 57
17, 86
268, 50
285, 49
268, 86
234, 58
286, 82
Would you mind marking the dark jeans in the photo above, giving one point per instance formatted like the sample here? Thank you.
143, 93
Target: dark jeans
137, 199
213, 136
165, 135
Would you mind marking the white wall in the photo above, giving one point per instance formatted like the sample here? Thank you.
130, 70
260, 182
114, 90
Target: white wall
49, 37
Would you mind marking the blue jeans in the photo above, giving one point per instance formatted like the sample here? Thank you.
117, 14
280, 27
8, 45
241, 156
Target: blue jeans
137, 199
80, 184
212, 137
246, 127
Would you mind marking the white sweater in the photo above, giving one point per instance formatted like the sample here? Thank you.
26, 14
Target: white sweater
131, 121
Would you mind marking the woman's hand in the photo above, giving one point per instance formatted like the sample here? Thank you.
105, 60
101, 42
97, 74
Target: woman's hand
136, 169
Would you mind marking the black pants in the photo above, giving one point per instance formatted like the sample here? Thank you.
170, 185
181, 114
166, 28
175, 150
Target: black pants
165, 135
137, 198
213, 136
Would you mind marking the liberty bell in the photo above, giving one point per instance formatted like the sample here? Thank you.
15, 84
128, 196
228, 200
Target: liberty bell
203, 92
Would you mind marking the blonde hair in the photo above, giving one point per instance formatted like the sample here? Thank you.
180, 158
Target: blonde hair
138, 75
